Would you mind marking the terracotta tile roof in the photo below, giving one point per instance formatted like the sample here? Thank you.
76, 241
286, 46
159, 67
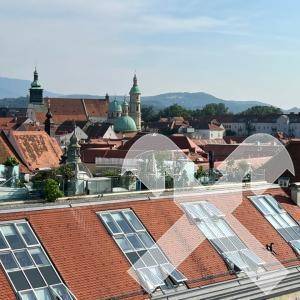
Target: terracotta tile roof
73, 109
8, 123
183, 142
36, 148
7, 150
96, 107
92, 265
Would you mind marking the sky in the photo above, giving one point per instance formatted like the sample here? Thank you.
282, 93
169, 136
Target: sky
233, 49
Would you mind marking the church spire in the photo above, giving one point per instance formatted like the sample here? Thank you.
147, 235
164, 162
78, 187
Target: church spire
135, 80
36, 90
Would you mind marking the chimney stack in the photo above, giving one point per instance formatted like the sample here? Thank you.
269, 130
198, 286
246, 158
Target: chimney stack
295, 193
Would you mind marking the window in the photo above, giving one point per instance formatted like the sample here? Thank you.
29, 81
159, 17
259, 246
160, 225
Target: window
287, 227
212, 224
27, 266
151, 265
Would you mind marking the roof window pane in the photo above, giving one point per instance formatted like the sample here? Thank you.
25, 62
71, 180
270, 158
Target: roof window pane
27, 234
12, 236
50, 275
123, 243
133, 220
28, 295
3, 244
8, 261
24, 258
109, 222
43, 294
19, 280
35, 278
146, 239
39, 256
135, 241
122, 222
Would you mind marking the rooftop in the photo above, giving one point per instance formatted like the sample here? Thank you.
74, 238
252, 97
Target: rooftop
92, 265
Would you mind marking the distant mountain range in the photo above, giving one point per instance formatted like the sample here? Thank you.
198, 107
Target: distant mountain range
13, 94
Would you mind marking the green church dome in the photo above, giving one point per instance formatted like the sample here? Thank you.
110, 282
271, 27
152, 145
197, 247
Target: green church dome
124, 124
135, 90
115, 106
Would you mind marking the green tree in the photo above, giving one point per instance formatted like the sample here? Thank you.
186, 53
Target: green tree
175, 110
262, 110
10, 162
215, 109
200, 172
51, 190
149, 114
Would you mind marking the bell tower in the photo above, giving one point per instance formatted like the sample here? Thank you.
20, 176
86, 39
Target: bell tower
36, 90
135, 104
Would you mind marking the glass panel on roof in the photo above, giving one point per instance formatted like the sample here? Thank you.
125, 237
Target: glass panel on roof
133, 220
122, 222
39, 256
111, 225
293, 234
237, 242
3, 244
43, 294
138, 246
27, 234
236, 259
276, 206
285, 234
8, 261
61, 291
288, 219
228, 245
260, 203
205, 230
146, 239
296, 245
251, 256
124, 244
135, 241
50, 275
170, 270
29, 295
273, 221
158, 256
35, 278
148, 260
19, 280
24, 258
211, 209
12, 236
223, 226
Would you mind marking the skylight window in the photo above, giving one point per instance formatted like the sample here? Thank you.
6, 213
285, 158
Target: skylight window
287, 227
212, 224
27, 266
151, 265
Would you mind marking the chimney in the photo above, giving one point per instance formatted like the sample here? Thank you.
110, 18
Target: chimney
295, 193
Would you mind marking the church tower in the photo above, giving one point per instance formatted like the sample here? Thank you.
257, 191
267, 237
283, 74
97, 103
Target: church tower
135, 104
36, 90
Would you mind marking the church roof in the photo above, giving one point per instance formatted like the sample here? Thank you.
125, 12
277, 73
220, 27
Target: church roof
124, 124
115, 106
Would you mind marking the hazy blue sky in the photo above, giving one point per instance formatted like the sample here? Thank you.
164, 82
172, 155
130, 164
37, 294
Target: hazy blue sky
234, 49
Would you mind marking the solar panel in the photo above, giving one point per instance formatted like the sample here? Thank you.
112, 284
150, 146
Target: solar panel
140, 249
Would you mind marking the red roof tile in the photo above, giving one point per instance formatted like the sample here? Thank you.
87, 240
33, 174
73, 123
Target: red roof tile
36, 148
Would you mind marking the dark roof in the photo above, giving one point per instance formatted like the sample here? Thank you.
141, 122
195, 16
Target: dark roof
97, 130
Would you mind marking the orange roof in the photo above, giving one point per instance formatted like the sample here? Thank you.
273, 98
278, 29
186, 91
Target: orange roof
7, 123
36, 148
6, 150
73, 109
92, 265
